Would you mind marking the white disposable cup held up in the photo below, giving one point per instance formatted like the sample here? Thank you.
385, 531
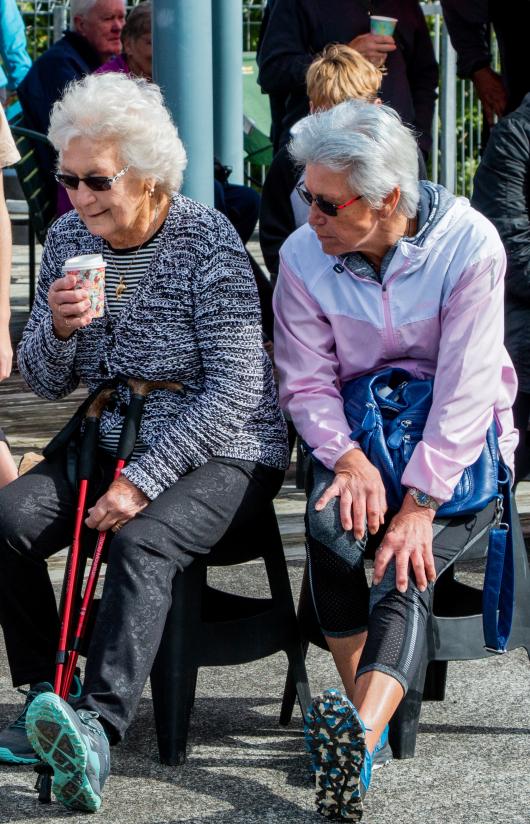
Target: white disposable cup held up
89, 271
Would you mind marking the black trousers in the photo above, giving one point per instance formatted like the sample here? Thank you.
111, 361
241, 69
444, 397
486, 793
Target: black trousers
36, 520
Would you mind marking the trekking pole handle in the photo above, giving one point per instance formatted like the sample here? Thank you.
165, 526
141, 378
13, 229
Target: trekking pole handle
140, 389
91, 432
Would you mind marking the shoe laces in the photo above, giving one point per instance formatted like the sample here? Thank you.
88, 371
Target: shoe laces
30, 694
88, 717
42, 686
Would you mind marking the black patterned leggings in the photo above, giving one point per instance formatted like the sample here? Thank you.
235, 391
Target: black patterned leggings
344, 603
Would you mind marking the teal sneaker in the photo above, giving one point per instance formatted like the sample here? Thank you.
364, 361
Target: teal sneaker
75, 746
335, 739
14, 744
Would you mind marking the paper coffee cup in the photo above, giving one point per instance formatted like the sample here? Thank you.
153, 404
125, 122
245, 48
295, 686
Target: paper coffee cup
89, 271
382, 25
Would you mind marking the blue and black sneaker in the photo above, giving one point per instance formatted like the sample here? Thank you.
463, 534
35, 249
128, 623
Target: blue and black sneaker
75, 746
335, 739
382, 754
14, 745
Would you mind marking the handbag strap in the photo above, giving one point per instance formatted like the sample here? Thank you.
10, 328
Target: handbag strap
498, 592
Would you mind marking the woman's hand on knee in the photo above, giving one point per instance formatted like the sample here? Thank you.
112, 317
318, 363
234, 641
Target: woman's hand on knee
362, 495
122, 501
408, 540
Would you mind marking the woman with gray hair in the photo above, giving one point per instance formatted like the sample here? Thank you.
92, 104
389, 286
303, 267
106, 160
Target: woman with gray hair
388, 272
180, 305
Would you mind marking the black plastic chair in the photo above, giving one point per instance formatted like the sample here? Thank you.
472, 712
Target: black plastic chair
39, 191
454, 633
209, 627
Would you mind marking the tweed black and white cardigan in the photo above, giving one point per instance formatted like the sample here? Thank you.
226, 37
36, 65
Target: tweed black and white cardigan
194, 318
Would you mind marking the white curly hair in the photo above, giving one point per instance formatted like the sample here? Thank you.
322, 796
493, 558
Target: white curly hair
129, 113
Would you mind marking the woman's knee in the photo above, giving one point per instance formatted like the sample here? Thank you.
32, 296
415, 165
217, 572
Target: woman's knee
135, 553
325, 525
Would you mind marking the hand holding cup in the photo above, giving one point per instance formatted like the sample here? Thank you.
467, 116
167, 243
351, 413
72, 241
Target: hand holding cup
373, 47
79, 296
71, 307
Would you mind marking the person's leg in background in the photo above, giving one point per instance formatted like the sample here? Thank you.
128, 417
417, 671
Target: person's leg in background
242, 209
240, 204
8, 467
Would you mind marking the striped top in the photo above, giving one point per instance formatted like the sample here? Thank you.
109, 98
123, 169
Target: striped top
127, 266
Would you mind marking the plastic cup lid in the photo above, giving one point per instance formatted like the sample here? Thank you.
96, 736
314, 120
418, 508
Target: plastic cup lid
84, 262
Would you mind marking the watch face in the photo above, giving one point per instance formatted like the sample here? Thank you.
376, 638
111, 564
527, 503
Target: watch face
423, 499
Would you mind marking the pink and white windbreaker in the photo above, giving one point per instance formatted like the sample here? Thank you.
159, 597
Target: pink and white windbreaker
439, 311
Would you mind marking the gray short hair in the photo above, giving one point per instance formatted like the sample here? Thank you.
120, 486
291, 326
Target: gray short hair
78, 8
128, 112
367, 142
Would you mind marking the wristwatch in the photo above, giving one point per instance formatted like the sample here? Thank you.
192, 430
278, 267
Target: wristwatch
422, 499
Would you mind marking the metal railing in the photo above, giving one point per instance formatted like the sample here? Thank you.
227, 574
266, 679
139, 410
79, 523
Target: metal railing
457, 123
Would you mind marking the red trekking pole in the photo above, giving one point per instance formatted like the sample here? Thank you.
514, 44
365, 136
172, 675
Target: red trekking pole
67, 654
128, 437
86, 463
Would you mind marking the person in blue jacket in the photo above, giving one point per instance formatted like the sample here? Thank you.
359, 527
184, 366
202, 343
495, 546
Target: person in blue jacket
13, 49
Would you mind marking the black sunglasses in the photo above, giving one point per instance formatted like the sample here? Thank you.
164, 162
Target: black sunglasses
97, 184
329, 209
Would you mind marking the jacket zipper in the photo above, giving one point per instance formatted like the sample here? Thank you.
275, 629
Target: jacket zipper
389, 329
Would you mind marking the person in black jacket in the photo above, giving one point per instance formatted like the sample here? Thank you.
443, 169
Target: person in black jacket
297, 30
339, 73
469, 24
502, 193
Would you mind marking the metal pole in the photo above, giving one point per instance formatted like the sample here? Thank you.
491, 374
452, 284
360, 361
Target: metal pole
448, 111
436, 116
182, 66
59, 22
227, 19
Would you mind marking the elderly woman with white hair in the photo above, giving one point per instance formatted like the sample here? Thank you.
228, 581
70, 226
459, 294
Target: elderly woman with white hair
180, 305
388, 272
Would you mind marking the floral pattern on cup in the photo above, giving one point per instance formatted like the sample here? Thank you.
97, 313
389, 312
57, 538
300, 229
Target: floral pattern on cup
93, 280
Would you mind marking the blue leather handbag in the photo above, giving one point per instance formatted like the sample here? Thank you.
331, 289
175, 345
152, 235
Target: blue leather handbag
387, 413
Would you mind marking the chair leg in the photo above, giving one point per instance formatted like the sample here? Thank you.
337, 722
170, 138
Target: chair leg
404, 724
174, 672
295, 686
280, 586
435, 679
520, 635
